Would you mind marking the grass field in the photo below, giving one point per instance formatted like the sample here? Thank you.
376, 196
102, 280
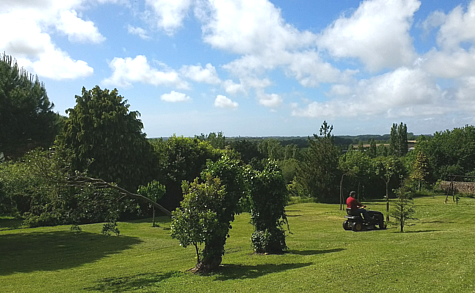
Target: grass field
436, 254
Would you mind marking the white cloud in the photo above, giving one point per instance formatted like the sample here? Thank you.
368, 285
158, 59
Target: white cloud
169, 13
138, 31
377, 33
126, 71
200, 74
248, 27
77, 29
256, 30
175, 97
232, 88
403, 92
450, 65
457, 27
269, 100
29, 41
224, 102
35, 51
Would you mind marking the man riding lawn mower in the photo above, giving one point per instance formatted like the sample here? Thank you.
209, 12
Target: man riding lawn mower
358, 218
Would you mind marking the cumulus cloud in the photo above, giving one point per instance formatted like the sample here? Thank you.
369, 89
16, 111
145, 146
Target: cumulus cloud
138, 31
269, 100
457, 27
232, 88
402, 92
224, 102
257, 31
30, 42
35, 51
126, 71
77, 29
200, 74
248, 27
377, 34
169, 14
175, 97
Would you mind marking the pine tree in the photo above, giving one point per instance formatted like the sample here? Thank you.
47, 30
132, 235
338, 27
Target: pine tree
403, 207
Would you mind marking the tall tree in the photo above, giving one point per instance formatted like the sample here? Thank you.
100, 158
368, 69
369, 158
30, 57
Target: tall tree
420, 170
106, 139
398, 140
318, 173
26, 117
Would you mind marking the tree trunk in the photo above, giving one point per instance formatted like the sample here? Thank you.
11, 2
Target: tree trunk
153, 211
387, 201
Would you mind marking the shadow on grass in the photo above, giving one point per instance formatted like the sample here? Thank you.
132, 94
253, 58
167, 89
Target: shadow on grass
51, 251
315, 252
132, 283
233, 271
421, 231
10, 224
159, 220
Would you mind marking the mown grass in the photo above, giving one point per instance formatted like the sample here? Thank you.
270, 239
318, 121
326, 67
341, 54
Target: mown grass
436, 254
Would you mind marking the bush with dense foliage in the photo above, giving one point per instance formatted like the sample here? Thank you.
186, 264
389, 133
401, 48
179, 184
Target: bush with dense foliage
268, 197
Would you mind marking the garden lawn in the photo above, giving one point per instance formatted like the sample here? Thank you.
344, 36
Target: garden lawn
435, 254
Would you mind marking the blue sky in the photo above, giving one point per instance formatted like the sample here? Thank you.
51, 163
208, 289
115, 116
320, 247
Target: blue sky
256, 67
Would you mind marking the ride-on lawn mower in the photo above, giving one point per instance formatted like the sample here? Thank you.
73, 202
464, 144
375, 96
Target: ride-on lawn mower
355, 222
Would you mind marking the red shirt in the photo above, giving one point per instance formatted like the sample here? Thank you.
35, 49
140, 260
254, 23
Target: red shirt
352, 203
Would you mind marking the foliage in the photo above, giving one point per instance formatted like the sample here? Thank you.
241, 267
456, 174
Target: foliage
449, 152
403, 207
268, 196
106, 139
181, 158
289, 169
217, 140
197, 221
154, 191
318, 172
247, 149
398, 140
420, 169
26, 117
208, 209
271, 149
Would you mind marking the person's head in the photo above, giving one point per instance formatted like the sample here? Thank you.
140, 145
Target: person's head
352, 193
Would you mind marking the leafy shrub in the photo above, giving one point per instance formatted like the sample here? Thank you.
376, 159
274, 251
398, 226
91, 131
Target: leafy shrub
268, 197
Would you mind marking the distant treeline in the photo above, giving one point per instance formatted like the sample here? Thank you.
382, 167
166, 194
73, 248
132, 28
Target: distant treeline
302, 141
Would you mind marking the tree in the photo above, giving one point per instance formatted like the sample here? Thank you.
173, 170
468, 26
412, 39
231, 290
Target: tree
271, 148
106, 139
268, 197
386, 168
154, 191
181, 158
26, 117
197, 220
403, 207
355, 165
318, 172
218, 141
398, 140
420, 169
372, 151
208, 209
248, 150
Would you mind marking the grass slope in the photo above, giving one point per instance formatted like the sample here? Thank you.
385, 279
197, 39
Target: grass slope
436, 254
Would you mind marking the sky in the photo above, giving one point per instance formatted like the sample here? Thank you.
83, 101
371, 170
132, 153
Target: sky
256, 67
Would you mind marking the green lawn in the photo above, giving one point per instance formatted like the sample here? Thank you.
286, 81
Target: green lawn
436, 254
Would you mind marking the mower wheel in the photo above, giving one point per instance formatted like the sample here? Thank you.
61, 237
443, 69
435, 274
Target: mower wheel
346, 225
357, 227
